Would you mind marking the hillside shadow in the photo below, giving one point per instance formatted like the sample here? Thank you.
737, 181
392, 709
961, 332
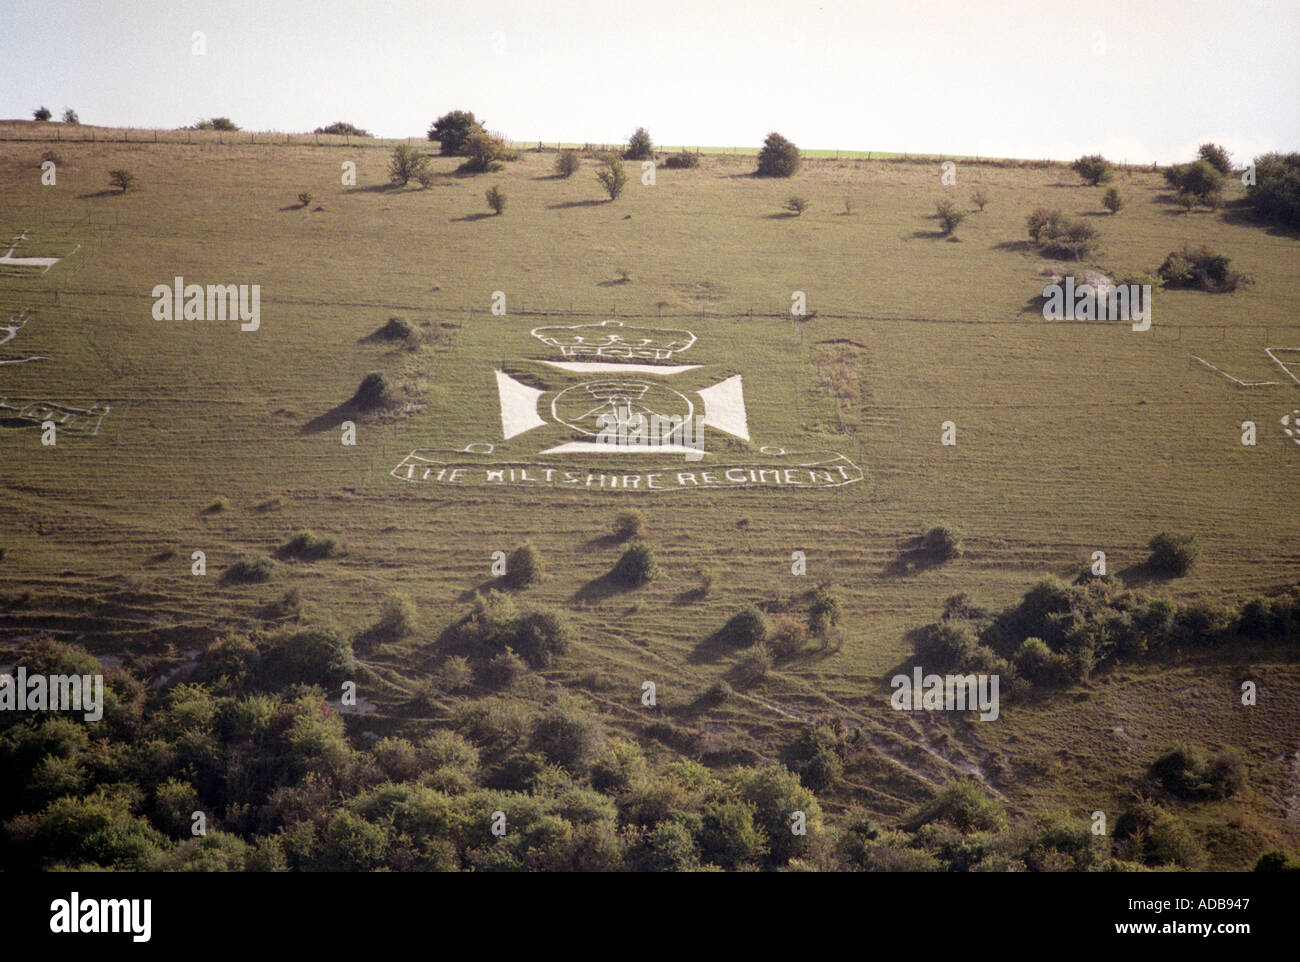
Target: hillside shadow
781, 215
690, 596
713, 648
1141, 575
107, 192
470, 218
603, 541
928, 235
598, 589
618, 283
347, 411
1019, 246
292, 207
569, 204
388, 188
913, 559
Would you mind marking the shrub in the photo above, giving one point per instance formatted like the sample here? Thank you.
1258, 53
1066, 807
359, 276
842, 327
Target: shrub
70, 117
789, 636
797, 204
728, 836
746, 628
504, 669
568, 738
1216, 156
1185, 772
756, 663
943, 542
123, 180
455, 674
566, 163
628, 524
1275, 193
949, 216
304, 199
1041, 665
496, 199
706, 576
824, 613
1201, 269
252, 570
682, 160
612, 177
406, 164
1059, 236
452, 130
1172, 553
639, 146
719, 691
483, 151
778, 157
1094, 169
397, 329
374, 393
963, 805
314, 655
524, 566
945, 644
308, 546
636, 567
1037, 222
216, 123
342, 128
42, 113
397, 617
1112, 200
1198, 181
979, 196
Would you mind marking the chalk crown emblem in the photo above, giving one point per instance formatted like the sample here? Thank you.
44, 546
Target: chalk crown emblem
614, 339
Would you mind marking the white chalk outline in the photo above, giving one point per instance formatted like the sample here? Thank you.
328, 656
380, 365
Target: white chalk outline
1237, 381
1278, 361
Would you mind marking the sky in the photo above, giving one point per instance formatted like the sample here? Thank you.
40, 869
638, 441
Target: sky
1138, 80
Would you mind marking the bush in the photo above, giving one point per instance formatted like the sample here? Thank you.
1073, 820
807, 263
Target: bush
455, 674
1113, 201
399, 330
639, 146
636, 567
963, 805
788, 637
797, 204
406, 164
778, 157
756, 663
483, 151
979, 196
1201, 269
612, 177
568, 738
1197, 182
308, 655
1094, 169
747, 627
496, 199
628, 524
946, 644
247, 571
304, 199
949, 216
566, 163
706, 576
452, 130
1216, 156
1059, 236
397, 617
824, 612
504, 669
1172, 553
1275, 194
42, 113
342, 128
374, 393
943, 542
1184, 771
308, 546
524, 566
216, 123
70, 117
123, 180
682, 160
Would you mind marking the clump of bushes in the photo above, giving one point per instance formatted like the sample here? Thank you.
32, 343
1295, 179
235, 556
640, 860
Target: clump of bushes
484, 152
1059, 236
1185, 772
309, 546
747, 628
374, 393
1196, 183
943, 542
314, 655
567, 163
682, 160
824, 613
42, 114
1172, 554
778, 157
1201, 269
1275, 192
494, 625
1216, 156
1094, 169
342, 128
636, 567
452, 130
251, 570
216, 123
397, 617
628, 524
407, 164
399, 330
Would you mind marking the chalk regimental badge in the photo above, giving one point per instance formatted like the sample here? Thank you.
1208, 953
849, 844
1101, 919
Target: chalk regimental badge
616, 406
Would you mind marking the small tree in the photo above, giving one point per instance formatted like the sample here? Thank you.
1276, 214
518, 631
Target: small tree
943, 542
778, 158
1113, 201
639, 146
524, 566
123, 180
628, 524
746, 628
1199, 180
636, 567
979, 196
42, 113
397, 617
949, 215
451, 130
566, 163
797, 204
343, 129
612, 177
406, 164
496, 198
483, 151
1217, 157
1094, 169
1173, 553
304, 199
70, 117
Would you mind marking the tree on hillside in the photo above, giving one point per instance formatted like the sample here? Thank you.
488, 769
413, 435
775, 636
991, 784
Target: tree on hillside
70, 117
406, 164
452, 130
639, 146
1216, 156
566, 163
1275, 190
216, 123
778, 158
343, 128
612, 177
1094, 169
483, 151
42, 113
1200, 182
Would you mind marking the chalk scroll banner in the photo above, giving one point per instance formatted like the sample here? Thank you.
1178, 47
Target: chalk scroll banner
820, 469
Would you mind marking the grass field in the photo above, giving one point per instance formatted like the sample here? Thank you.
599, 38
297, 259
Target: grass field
1072, 437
